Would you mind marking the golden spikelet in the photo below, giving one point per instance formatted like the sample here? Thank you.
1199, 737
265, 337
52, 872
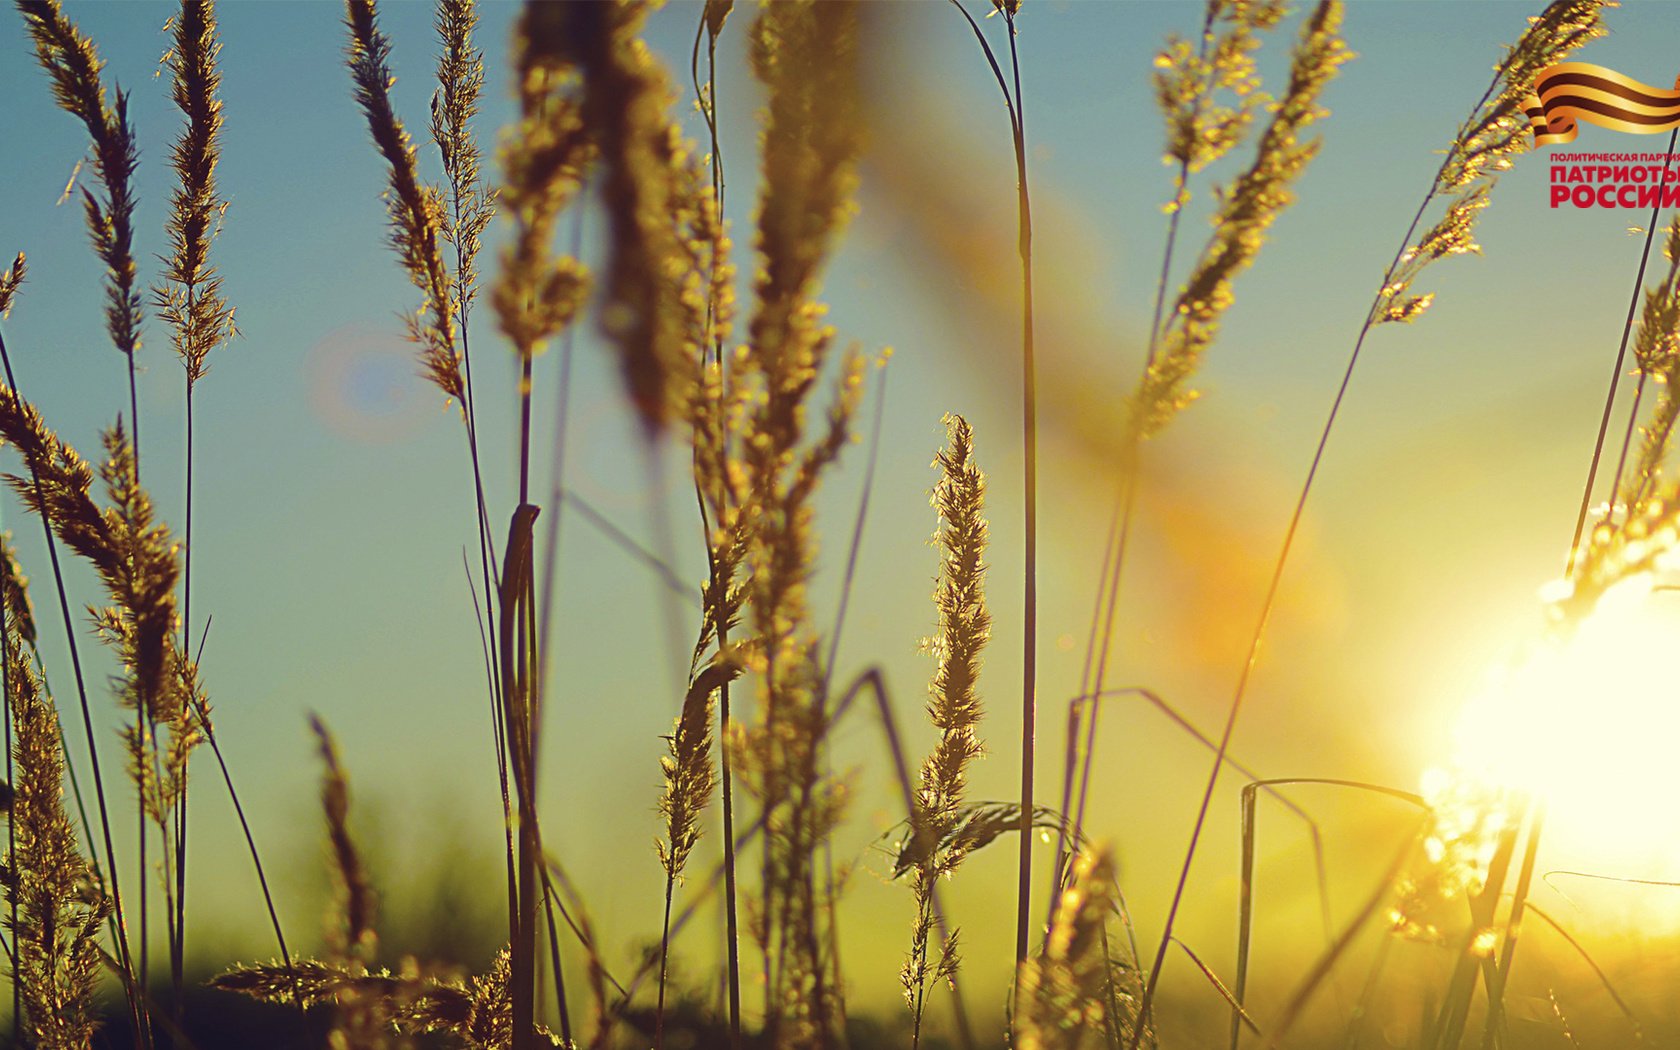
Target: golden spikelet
712, 402
362, 1019
1209, 92
539, 293
372, 1006
157, 768
354, 940
964, 624
1497, 130
188, 722
689, 773
626, 101
460, 74
14, 593
144, 590
51, 885
1063, 1001
9, 282
953, 704
689, 779
415, 210
1485, 145
476, 1011
72, 62
134, 555
805, 54
1246, 211
190, 301
59, 486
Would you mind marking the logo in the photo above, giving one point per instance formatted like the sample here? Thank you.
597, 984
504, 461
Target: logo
1572, 92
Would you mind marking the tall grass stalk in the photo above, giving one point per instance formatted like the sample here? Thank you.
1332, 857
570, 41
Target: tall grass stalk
1011, 88
58, 476
74, 67
806, 55
1201, 129
689, 780
471, 206
713, 17
190, 302
953, 705
551, 573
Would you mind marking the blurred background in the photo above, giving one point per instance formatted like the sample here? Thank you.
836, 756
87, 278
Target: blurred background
334, 500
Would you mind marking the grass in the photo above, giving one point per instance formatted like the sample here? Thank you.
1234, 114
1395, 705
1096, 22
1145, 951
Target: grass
729, 355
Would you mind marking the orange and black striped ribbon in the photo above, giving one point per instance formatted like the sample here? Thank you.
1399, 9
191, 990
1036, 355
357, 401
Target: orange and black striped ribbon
1572, 91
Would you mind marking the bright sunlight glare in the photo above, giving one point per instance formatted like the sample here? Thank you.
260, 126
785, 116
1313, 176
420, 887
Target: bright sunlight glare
1589, 722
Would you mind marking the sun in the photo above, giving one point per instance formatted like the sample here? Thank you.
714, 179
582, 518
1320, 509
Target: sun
1588, 722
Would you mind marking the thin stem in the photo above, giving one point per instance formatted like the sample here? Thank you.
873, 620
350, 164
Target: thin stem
1616, 375
1115, 561
498, 734
1598, 971
1029, 426
1513, 925
525, 430
664, 959
550, 903
251, 847
11, 778
856, 545
544, 622
557, 487
178, 942
1029, 411
1627, 443
731, 920
143, 729
852, 553
142, 736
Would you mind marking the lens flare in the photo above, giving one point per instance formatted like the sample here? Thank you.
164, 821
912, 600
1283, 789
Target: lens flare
364, 384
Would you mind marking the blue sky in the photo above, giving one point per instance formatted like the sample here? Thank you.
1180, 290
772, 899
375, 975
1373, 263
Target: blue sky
334, 503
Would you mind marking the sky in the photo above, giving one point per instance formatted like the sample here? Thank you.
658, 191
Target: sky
333, 499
